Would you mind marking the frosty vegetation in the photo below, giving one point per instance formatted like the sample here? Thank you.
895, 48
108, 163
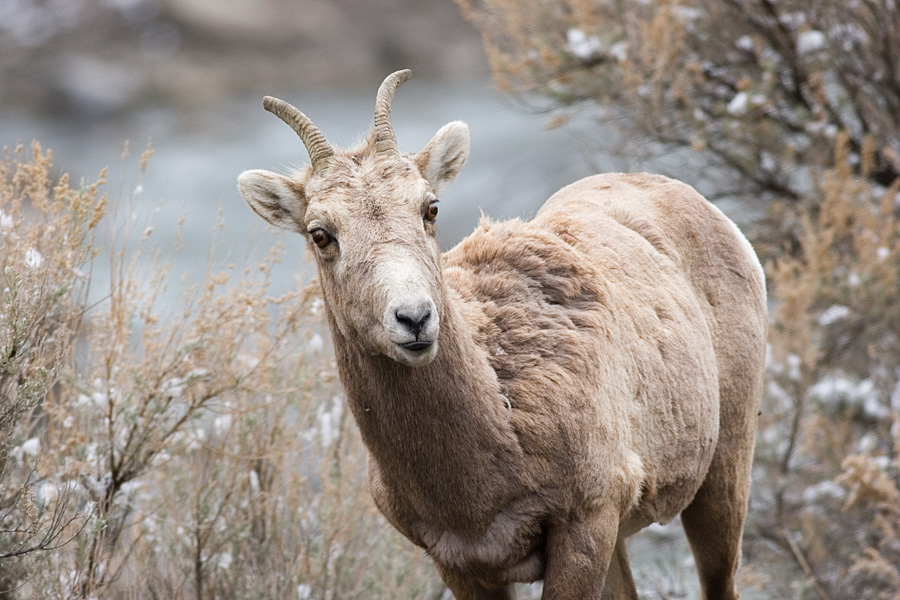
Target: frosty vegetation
795, 107
197, 452
763, 87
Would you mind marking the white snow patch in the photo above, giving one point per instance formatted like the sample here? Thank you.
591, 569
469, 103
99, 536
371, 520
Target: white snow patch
48, 493
582, 45
223, 560
745, 42
304, 591
767, 162
174, 387
315, 343
794, 361
197, 437
688, 13
32, 447
127, 493
883, 253
810, 41
249, 360
770, 359
619, 51
330, 421
758, 100
822, 128
822, 490
97, 399
738, 105
222, 424
832, 315
794, 19
33, 258
838, 387
895, 406
149, 528
6, 221
882, 462
867, 443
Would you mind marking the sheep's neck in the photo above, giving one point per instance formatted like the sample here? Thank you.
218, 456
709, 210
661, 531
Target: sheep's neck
439, 434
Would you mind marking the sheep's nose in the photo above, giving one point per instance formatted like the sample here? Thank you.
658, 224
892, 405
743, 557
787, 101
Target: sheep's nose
412, 324
414, 319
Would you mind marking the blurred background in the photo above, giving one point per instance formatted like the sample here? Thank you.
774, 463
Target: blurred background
85, 76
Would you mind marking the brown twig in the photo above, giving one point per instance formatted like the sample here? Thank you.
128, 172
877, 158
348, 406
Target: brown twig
804, 564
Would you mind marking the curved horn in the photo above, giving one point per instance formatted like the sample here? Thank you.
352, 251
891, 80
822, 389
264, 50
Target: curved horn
385, 141
320, 151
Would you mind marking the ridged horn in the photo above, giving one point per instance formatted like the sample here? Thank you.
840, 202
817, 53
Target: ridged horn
320, 151
385, 141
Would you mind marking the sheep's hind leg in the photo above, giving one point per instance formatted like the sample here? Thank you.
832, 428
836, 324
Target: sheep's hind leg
714, 521
714, 525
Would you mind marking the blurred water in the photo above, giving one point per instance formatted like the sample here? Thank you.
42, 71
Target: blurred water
514, 165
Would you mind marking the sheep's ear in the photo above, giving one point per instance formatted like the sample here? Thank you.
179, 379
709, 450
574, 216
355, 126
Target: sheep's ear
441, 160
277, 199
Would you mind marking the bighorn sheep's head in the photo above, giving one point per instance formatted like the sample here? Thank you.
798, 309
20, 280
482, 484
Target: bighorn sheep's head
368, 215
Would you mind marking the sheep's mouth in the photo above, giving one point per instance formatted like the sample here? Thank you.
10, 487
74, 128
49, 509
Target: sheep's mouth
416, 346
417, 353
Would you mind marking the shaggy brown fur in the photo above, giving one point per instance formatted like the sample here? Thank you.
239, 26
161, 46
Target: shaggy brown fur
593, 370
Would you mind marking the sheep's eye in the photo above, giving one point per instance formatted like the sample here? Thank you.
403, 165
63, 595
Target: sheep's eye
320, 238
432, 211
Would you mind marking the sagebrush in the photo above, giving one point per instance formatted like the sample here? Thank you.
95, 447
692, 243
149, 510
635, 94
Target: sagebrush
165, 444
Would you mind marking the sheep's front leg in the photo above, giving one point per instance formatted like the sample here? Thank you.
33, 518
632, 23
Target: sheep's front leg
578, 557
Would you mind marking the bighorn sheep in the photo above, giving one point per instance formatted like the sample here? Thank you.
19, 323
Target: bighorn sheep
546, 388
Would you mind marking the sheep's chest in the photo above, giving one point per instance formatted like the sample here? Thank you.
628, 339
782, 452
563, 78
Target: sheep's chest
510, 550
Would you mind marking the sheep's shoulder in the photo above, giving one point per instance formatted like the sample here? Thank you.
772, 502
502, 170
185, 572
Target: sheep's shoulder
535, 298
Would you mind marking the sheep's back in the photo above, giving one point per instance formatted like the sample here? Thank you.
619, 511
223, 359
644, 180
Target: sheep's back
601, 346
